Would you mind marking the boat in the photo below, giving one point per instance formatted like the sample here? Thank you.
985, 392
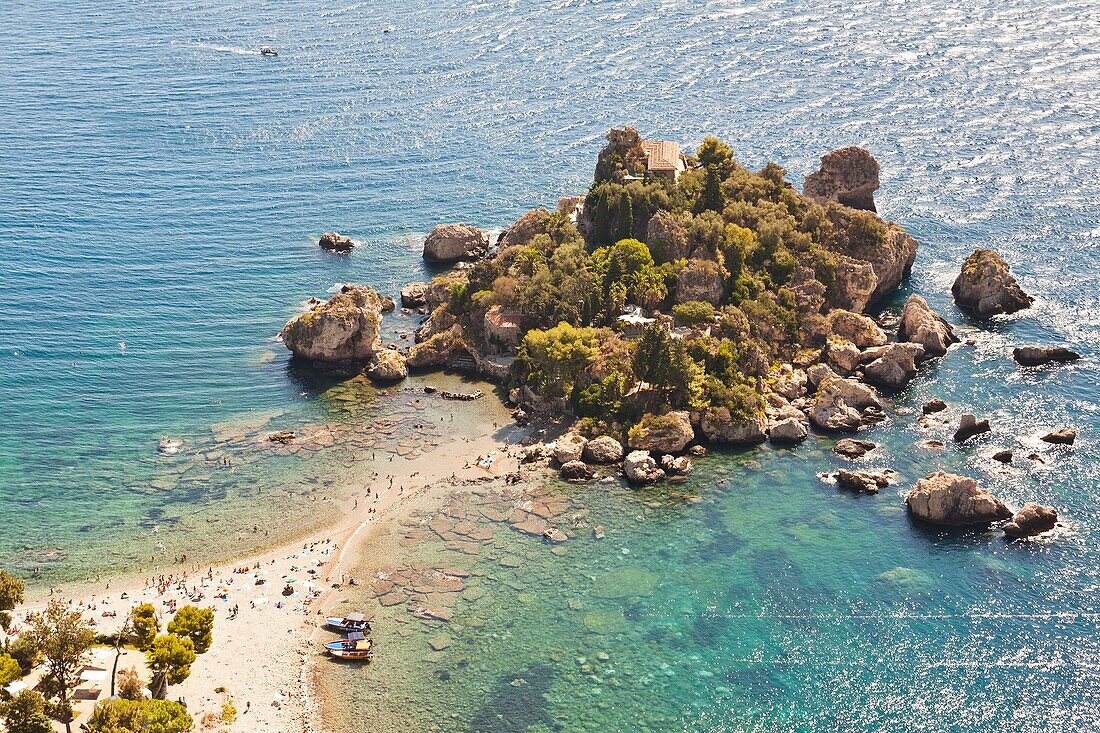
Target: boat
351, 622
356, 647
269, 51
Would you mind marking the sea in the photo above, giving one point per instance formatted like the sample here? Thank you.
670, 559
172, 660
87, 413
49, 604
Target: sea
162, 189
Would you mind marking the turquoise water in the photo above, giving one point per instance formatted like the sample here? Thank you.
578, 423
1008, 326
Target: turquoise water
162, 186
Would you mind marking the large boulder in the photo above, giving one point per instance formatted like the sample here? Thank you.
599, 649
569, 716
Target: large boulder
718, 425
575, 471
787, 381
569, 447
892, 366
1031, 519
526, 228
787, 431
603, 449
841, 355
855, 327
640, 468
945, 498
387, 365
848, 176
1062, 436
986, 287
667, 237
1040, 355
969, 426
335, 242
669, 433
921, 325
413, 295
840, 404
454, 242
342, 330
700, 280
862, 482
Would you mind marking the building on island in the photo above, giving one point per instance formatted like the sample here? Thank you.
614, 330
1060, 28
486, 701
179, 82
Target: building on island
664, 159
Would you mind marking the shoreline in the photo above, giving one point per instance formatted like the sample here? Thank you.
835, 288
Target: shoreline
275, 688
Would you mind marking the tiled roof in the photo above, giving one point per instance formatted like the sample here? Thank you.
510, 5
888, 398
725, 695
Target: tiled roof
664, 155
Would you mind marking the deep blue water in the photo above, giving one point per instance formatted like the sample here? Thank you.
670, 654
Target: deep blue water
162, 187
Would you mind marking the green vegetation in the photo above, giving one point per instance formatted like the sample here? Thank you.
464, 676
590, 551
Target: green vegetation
170, 659
11, 595
738, 257
139, 716
10, 670
144, 625
62, 638
26, 713
196, 624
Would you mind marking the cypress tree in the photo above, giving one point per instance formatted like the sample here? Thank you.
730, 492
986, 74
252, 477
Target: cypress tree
712, 199
626, 217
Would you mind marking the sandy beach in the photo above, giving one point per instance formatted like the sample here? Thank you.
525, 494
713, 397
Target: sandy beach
266, 644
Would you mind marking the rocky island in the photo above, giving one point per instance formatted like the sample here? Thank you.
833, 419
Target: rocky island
684, 300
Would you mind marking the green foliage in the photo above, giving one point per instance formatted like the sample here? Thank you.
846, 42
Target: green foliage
11, 595
715, 155
23, 651
694, 312
712, 199
144, 624
10, 670
170, 658
743, 402
623, 154
229, 712
139, 716
625, 217
62, 638
26, 713
706, 235
666, 366
130, 686
552, 359
196, 624
602, 398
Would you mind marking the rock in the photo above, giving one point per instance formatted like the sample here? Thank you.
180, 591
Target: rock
575, 471
386, 304
603, 449
861, 482
934, 405
818, 373
700, 280
667, 237
944, 498
841, 355
569, 447
895, 365
986, 287
334, 242
555, 535
788, 382
440, 641
718, 425
932, 444
387, 366
412, 295
788, 430
855, 327
344, 329
598, 532
526, 228
669, 433
1063, 436
1004, 456
435, 351
676, 465
854, 285
848, 176
840, 404
697, 451
921, 325
640, 468
1030, 520
439, 291
853, 448
439, 321
1040, 355
454, 242
969, 427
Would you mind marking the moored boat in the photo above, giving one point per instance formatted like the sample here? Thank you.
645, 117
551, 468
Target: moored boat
269, 51
351, 622
356, 647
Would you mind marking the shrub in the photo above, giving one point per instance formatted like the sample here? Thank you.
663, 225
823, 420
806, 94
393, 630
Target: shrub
694, 312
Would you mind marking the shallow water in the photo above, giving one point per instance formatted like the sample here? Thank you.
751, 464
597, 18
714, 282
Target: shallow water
161, 190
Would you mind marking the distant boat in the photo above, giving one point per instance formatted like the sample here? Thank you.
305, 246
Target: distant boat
351, 622
269, 51
356, 647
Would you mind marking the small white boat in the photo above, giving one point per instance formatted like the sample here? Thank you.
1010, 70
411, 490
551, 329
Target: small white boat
355, 648
351, 622
269, 51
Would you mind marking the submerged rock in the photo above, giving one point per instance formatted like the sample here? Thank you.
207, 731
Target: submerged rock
949, 499
922, 325
1063, 436
969, 426
1040, 355
640, 468
676, 465
986, 287
853, 448
454, 242
1030, 520
848, 176
343, 329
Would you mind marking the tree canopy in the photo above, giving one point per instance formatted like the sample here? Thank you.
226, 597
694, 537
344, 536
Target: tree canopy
196, 624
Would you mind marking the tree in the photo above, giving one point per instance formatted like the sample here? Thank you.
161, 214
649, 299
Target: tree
10, 670
26, 713
130, 686
555, 357
625, 220
144, 625
170, 660
139, 716
63, 638
712, 199
11, 595
715, 154
666, 366
196, 624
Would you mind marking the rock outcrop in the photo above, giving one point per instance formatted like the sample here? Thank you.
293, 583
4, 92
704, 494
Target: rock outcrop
604, 449
969, 426
669, 433
1030, 520
640, 468
387, 365
848, 176
667, 237
949, 499
853, 448
840, 404
342, 330
413, 294
700, 280
854, 285
862, 482
569, 447
787, 381
921, 325
718, 425
335, 242
841, 355
933, 405
1040, 355
526, 228
788, 431
855, 327
575, 471
1062, 436
454, 242
986, 287
892, 366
